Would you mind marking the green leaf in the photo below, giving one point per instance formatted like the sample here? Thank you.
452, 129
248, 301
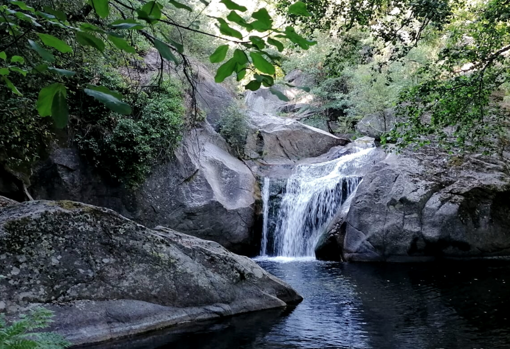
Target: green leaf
4, 71
59, 14
225, 70
219, 54
298, 39
234, 17
61, 71
178, 46
46, 55
304, 88
261, 63
241, 73
275, 43
19, 71
165, 51
110, 99
127, 24
41, 68
206, 3
3, 55
150, 12
279, 94
240, 57
253, 85
27, 18
23, 6
233, 6
91, 27
266, 80
13, 88
59, 109
225, 29
87, 39
17, 59
299, 8
258, 42
51, 41
264, 21
45, 99
101, 7
121, 44
181, 6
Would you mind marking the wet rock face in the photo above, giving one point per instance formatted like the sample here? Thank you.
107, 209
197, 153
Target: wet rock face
203, 191
106, 276
423, 206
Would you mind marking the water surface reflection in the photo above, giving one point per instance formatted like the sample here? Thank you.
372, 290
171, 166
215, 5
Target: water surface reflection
447, 305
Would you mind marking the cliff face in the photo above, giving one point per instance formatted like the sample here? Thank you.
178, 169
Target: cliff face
203, 191
423, 206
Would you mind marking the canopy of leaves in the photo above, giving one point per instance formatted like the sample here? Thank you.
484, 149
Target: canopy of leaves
454, 97
51, 32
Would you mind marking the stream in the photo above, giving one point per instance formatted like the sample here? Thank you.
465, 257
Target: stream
448, 305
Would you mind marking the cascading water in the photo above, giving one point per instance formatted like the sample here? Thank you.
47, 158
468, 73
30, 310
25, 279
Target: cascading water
313, 195
265, 200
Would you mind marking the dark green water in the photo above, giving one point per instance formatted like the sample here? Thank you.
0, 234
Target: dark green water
447, 305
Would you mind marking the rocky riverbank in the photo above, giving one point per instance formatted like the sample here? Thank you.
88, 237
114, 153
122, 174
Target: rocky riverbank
106, 276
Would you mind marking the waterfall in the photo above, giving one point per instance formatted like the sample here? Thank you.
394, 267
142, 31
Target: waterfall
265, 200
313, 195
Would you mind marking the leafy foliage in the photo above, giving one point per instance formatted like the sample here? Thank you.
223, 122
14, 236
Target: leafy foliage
21, 334
23, 134
234, 128
455, 101
125, 148
451, 97
51, 33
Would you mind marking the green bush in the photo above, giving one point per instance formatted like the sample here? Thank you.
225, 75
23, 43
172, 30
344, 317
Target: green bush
23, 135
126, 147
234, 128
21, 333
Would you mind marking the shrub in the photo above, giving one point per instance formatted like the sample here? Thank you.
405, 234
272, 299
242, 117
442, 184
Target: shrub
126, 147
234, 128
20, 334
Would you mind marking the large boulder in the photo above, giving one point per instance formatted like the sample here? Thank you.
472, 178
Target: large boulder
263, 101
423, 206
283, 140
275, 139
105, 276
375, 125
212, 97
203, 191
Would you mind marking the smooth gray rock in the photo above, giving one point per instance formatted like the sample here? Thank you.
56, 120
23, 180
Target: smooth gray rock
106, 276
212, 97
424, 206
263, 101
283, 140
4, 202
203, 191
375, 125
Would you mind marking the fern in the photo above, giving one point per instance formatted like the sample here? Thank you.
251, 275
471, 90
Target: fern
20, 334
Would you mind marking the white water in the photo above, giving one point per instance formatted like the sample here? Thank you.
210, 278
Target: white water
314, 194
265, 200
